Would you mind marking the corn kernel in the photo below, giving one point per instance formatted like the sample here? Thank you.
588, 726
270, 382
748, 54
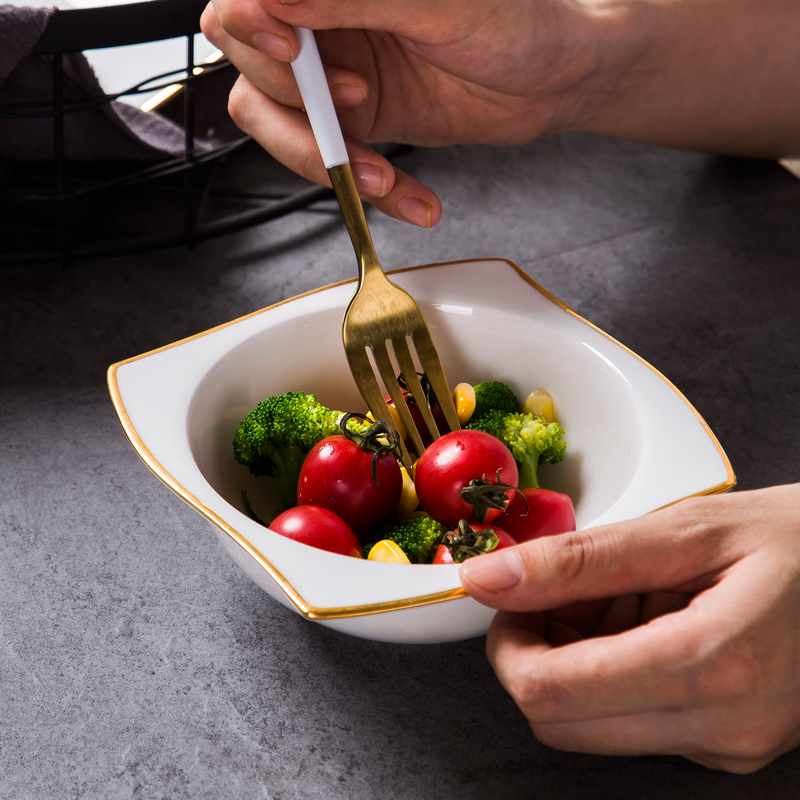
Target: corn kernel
408, 495
540, 404
388, 552
464, 401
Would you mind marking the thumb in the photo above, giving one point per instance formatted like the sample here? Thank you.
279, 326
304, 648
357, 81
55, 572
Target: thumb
681, 548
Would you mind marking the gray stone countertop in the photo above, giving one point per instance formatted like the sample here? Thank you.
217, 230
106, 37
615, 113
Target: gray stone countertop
137, 661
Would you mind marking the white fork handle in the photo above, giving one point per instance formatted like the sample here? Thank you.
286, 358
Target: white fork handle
313, 85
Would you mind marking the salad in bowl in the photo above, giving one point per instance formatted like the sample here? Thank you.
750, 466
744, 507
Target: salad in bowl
628, 431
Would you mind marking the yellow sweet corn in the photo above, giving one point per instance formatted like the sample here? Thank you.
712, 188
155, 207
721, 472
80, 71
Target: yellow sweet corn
464, 401
388, 552
540, 404
408, 495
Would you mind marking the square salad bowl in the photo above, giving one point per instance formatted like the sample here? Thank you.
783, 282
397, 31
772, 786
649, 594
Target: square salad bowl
627, 428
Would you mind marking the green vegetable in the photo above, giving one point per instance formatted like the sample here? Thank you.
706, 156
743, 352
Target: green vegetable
418, 537
530, 439
274, 438
494, 396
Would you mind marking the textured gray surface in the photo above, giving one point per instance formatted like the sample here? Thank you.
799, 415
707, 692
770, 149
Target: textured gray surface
137, 661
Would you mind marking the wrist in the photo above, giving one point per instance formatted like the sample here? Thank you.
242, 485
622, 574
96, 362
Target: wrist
617, 42
698, 74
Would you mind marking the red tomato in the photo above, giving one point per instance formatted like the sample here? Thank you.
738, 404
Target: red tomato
443, 556
337, 475
419, 422
504, 539
317, 527
548, 513
451, 463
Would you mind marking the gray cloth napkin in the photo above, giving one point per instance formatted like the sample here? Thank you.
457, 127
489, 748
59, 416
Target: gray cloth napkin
110, 130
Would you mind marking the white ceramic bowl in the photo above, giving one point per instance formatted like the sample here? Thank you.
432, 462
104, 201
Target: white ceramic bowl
628, 431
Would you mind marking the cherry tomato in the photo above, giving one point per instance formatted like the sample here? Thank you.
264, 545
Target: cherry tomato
419, 422
548, 513
337, 475
443, 556
455, 460
504, 539
416, 414
317, 527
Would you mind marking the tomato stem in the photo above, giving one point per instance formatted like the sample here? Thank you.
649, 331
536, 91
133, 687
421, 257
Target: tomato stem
427, 389
465, 543
372, 440
482, 496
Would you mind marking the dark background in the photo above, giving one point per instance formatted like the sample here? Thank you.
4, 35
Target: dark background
136, 660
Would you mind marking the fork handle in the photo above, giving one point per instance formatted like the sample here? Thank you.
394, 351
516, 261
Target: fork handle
313, 85
316, 94
353, 212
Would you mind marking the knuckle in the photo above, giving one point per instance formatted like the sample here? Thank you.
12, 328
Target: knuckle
534, 693
210, 25
309, 163
575, 555
698, 519
232, 12
559, 737
730, 676
752, 746
238, 104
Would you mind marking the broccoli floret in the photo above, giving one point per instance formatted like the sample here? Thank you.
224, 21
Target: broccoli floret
494, 396
530, 439
274, 438
418, 537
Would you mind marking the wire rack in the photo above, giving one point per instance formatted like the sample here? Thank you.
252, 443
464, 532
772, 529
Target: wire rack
63, 210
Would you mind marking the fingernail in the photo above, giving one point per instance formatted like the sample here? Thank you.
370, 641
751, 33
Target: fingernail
497, 572
415, 211
349, 94
273, 45
370, 180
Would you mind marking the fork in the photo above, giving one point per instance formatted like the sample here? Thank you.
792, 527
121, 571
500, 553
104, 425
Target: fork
380, 312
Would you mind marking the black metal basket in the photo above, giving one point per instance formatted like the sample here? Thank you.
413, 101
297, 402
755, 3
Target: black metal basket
63, 210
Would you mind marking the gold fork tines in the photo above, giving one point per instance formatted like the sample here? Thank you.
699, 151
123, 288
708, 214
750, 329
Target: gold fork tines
380, 313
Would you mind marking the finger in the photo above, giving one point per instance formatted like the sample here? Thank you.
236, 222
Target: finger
736, 740
588, 679
653, 733
648, 668
430, 20
409, 201
582, 617
558, 634
678, 732
681, 546
286, 134
657, 604
273, 77
739, 766
702, 655
251, 24
276, 78
621, 615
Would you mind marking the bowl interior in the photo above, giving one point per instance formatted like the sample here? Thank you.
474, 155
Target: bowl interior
529, 343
